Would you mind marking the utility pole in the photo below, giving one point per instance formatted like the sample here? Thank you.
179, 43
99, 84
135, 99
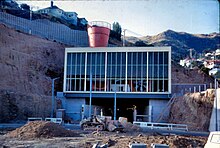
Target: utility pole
53, 100
30, 19
216, 96
90, 95
216, 104
31, 13
124, 37
190, 55
115, 102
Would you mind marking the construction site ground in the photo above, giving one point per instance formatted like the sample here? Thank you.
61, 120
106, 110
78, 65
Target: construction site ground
26, 136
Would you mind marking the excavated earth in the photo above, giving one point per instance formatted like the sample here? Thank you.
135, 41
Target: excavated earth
46, 134
193, 109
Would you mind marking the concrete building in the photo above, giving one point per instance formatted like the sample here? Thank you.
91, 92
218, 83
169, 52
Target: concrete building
134, 76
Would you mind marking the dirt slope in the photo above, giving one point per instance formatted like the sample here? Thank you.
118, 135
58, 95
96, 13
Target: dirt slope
189, 76
193, 109
27, 64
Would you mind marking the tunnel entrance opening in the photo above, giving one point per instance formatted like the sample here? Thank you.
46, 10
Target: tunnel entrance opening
124, 107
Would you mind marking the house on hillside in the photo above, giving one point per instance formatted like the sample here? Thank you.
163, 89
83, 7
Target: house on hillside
82, 23
214, 71
8, 4
70, 17
212, 64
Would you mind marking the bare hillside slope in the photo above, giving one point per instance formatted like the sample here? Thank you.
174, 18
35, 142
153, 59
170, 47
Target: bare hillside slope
27, 64
193, 109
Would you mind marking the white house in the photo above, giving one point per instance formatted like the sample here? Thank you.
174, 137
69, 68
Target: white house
70, 17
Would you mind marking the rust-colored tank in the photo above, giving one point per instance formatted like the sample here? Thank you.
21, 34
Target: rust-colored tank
98, 32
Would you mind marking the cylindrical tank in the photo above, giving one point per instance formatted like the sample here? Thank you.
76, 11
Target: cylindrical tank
98, 32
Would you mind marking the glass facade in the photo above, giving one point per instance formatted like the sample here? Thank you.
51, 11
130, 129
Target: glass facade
120, 71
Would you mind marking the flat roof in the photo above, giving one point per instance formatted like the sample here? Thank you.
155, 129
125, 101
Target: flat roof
118, 49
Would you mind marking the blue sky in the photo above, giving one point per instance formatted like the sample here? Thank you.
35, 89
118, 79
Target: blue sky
147, 17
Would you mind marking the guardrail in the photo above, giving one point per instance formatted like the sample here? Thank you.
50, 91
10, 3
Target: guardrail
34, 119
166, 126
54, 120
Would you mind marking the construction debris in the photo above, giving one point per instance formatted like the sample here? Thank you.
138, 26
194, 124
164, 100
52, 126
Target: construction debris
129, 127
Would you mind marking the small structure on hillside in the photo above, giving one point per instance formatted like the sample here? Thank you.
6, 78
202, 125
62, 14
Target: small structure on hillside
70, 17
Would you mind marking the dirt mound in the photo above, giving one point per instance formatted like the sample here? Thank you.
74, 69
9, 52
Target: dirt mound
196, 112
40, 129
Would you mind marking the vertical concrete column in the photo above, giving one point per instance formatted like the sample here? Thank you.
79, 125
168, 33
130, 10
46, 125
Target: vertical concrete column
135, 114
150, 114
82, 112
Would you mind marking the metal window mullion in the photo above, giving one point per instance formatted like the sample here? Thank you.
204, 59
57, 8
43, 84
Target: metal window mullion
142, 71
158, 74
95, 70
71, 71
147, 89
163, 73
120, 79
106, 54
152, 81
80, 69
136, 70
75, 72
169, 72
126, 71
131, 71
110, 77
116, 60
90, 75
85, 71
100, 87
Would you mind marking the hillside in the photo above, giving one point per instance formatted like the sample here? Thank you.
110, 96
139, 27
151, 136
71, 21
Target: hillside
196, 112
181, 42
27, 64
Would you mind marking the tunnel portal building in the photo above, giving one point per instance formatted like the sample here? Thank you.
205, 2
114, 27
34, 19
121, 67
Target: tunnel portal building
139, 76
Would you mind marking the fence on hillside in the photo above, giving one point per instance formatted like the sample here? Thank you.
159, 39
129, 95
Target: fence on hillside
46, 29
180, 89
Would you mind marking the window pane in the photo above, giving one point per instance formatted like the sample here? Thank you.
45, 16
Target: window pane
165, 57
